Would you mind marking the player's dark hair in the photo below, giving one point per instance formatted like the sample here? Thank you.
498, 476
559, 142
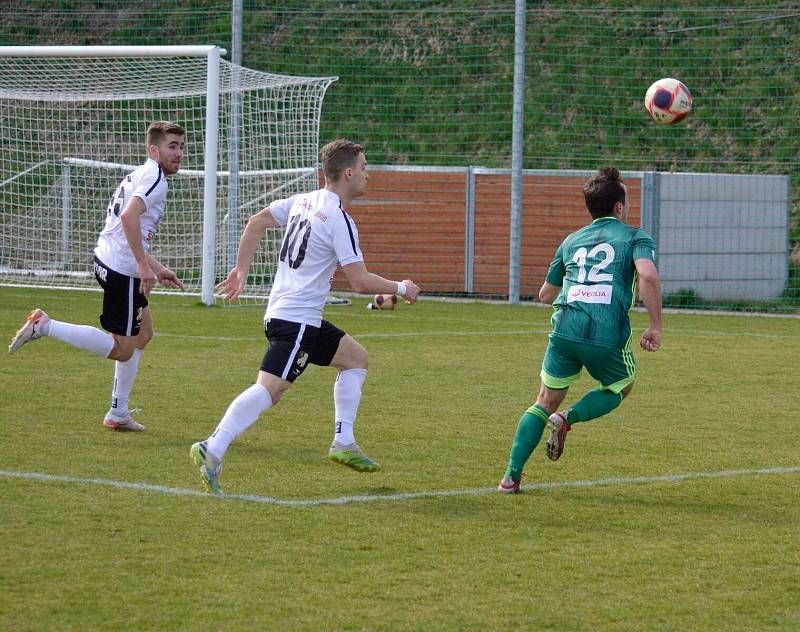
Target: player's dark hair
337, 156
603, 190
158, 130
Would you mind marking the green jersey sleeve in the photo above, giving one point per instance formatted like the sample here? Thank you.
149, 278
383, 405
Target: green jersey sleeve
555, 275
643, 246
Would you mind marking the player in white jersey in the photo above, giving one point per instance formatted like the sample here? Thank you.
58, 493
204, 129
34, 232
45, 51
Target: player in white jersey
320, 234
126, 271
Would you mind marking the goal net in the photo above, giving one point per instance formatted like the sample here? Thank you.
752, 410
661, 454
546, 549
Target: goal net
73, 122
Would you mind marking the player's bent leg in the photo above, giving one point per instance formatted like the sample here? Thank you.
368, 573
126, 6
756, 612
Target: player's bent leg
125, 372
530, 427
38, 324
274, 385
119, 417
551, 396
527, 436
146, 330
124, 346
352, 359
533, 421
242, 413
615, 370
596, 403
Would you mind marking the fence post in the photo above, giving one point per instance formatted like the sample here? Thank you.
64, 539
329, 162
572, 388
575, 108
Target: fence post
651, 205
516, 153
469, 232
232, 223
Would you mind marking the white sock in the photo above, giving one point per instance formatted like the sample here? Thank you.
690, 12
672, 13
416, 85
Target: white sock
83, 337
241, 414
124, 376
346, 398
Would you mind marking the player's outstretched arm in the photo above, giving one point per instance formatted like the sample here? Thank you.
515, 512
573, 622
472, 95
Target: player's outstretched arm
650, 293
164, 275
365, 282
233, 284
257, 225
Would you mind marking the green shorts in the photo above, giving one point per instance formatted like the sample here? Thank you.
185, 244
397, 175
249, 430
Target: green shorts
564, 359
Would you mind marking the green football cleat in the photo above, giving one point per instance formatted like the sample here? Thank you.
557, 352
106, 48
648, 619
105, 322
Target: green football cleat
353, 457
209, 473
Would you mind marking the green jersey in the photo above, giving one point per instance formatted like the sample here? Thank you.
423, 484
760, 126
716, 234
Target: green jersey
594, 267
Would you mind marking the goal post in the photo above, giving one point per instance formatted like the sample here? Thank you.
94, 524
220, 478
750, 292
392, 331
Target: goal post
72, 124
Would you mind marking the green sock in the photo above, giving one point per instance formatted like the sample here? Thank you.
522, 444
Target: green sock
529, 432
594, 404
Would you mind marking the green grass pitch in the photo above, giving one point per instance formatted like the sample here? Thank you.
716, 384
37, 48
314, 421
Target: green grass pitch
446, 385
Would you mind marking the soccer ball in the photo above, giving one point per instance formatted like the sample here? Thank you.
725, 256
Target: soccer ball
668, 101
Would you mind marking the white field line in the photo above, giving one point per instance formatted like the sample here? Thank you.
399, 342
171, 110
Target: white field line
343, 500
395, 334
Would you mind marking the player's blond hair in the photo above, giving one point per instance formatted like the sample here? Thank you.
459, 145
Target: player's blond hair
337, 156
158, 130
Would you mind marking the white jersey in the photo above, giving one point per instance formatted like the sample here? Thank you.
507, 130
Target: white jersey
319, 235
150, 185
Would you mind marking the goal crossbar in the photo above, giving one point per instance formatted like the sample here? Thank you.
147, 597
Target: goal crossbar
108, 51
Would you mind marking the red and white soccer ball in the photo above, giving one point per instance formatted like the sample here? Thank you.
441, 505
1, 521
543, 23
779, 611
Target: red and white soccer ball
668, 101
385, 301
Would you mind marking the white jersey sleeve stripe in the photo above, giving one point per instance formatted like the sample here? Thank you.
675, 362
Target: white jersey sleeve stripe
158, 179
350, 231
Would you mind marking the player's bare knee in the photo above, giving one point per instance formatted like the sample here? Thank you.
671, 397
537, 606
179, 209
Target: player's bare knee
350, 355
121, 354
144, 338
124, 346
361, 359
276, 391
114, 350
550, 398
627, 390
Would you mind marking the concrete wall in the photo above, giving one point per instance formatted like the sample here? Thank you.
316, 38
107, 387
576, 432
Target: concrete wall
724, 236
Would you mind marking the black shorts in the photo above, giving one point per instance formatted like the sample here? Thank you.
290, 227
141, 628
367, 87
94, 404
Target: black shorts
292, 346
123, 304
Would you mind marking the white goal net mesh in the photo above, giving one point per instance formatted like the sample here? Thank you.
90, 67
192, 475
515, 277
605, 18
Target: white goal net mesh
71, 128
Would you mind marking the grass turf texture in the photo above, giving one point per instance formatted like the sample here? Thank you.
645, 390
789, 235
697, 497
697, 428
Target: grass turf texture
446, 386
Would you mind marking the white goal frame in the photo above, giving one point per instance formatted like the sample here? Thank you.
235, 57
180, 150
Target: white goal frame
210, 172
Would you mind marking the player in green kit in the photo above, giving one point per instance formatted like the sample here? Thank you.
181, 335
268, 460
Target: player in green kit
592, 284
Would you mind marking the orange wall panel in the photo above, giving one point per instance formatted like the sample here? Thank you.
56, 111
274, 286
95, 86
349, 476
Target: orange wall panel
412, 225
